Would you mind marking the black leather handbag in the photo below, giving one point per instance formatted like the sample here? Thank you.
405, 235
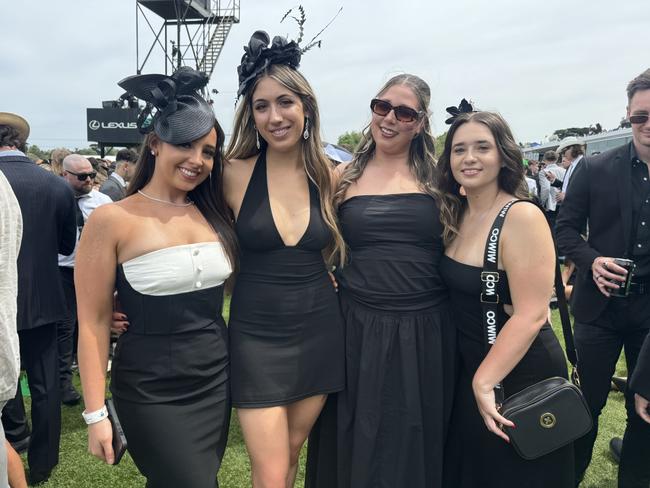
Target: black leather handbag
551, 413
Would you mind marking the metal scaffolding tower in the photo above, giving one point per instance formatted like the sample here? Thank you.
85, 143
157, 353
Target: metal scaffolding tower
192, 32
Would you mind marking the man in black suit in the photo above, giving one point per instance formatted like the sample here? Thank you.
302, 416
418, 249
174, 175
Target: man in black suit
49, 227
611, 191
115, 185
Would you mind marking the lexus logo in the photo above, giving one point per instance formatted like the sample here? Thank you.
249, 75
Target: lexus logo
95, 125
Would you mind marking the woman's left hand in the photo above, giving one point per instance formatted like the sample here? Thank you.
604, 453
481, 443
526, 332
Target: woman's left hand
488, 410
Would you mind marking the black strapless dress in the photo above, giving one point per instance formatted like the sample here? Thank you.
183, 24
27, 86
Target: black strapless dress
388, 428
474, 456
286, 330
169, 375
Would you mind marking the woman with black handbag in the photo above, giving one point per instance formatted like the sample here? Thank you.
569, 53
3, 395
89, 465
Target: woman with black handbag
481, 156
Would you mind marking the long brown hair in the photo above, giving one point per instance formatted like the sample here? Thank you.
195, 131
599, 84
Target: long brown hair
317, 166
422, 151
511, 177
207, 196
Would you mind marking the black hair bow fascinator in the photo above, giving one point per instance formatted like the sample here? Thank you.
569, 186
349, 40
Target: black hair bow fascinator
464, 107
258, 55
181, 113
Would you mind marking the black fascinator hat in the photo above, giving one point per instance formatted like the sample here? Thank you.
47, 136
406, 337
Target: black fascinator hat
464, 107
181, 113
259, 54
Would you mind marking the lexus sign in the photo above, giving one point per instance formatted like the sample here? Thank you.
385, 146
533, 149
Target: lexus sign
113, 126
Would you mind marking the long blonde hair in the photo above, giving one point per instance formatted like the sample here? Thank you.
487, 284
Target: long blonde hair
422, 151
317, 166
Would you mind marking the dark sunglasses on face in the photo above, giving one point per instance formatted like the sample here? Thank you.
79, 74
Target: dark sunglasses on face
83, 176
402, 112
640, 118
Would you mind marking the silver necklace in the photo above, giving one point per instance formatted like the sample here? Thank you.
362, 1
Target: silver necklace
186, 204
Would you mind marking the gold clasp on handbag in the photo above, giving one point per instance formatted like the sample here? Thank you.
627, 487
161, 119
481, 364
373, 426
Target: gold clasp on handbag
547, 420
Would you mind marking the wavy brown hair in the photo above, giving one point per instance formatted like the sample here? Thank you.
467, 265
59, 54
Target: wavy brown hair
511, 178
317, 166
207, 196
422, 152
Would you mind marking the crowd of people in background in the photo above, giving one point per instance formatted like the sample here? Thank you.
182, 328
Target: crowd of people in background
356, 315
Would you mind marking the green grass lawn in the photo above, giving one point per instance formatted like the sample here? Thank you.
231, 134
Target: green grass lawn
77, 468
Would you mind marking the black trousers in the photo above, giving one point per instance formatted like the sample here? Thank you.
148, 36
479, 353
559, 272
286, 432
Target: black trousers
39, 357
624, 324
67, 329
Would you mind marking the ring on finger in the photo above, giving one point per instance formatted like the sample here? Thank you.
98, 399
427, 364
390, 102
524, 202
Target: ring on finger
605, 265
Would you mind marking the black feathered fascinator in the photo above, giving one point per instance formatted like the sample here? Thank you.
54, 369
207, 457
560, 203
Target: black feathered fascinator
181, 113
259, 54
464, 107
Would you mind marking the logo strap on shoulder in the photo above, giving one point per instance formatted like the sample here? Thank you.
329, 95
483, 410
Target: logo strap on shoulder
490, 297
489, 287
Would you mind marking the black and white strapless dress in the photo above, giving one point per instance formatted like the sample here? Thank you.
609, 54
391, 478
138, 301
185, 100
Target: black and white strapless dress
170, 370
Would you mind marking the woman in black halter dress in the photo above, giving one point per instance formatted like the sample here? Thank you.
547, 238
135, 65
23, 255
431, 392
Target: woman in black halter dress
286, 333
286, 329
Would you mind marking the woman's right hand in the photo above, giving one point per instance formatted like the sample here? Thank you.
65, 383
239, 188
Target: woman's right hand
100, 441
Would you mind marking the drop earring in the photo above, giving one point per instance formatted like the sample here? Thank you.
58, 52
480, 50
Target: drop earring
305, 135
257, 138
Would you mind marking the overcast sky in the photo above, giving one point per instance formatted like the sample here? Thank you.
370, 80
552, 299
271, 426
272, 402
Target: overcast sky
544, 65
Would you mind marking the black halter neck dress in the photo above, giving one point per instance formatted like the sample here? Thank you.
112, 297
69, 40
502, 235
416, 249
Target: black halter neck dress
286, 330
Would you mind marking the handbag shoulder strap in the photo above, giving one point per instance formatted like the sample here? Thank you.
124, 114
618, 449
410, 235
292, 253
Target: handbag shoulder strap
490, 296
489, 287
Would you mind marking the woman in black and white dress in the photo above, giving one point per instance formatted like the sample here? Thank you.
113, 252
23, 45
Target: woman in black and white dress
167, 248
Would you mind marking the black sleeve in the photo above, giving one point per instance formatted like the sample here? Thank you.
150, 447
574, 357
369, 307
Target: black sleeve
557, 183
640, 382
67, 222
572, 219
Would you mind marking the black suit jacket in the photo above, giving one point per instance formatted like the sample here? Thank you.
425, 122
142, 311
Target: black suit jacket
600, 192
113, 189
47, 205
640, 382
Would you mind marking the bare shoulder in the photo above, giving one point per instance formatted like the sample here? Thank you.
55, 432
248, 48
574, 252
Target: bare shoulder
237, 166
523, 214
526, 230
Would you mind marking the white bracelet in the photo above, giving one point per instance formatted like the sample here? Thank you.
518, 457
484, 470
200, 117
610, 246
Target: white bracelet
96, 416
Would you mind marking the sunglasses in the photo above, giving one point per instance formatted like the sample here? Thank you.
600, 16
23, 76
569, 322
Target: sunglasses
639, 118
83, 176
402, 112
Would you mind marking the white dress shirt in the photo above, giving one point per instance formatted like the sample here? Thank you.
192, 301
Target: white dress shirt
569, 172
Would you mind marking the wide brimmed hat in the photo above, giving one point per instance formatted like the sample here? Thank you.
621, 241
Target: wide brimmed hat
569, 141
17, 122
182, 115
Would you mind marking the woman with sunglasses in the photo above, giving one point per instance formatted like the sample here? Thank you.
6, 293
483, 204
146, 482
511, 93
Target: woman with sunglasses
391, 418
286, 330
167, 248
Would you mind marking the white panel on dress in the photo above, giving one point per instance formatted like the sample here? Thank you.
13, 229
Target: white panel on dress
178, 269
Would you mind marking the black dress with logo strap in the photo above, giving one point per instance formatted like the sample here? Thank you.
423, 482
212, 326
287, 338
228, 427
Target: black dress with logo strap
474, 456
387, 428
286, 330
